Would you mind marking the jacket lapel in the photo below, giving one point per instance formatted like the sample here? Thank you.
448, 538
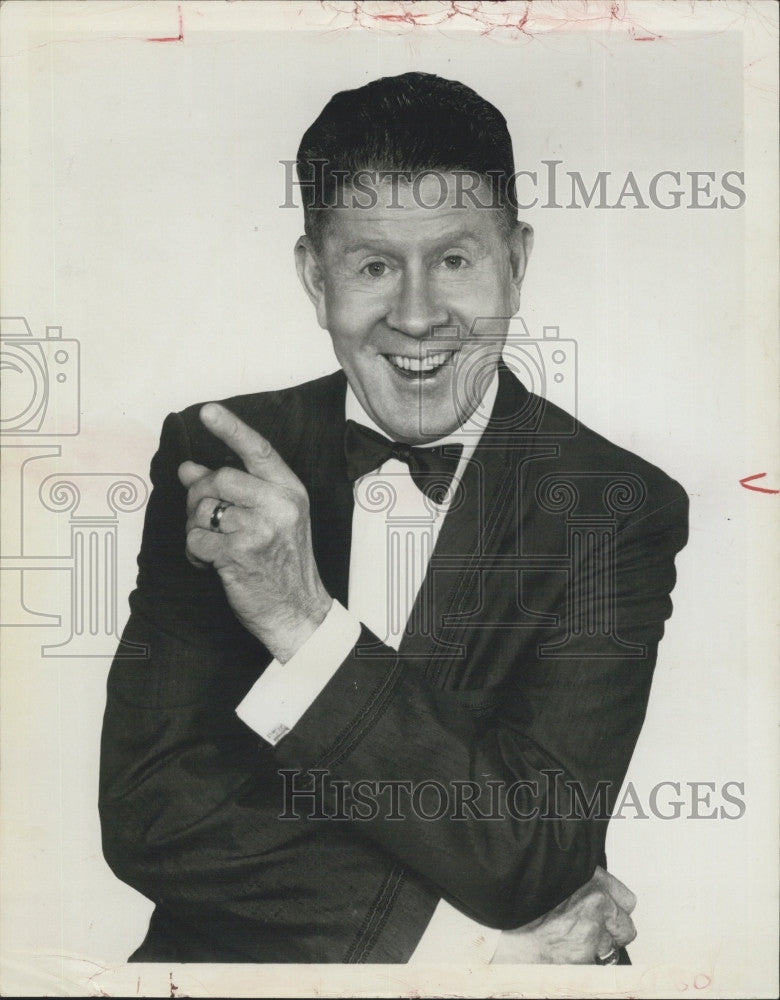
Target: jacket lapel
481, 525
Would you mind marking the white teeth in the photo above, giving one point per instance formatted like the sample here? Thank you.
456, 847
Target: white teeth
428, 364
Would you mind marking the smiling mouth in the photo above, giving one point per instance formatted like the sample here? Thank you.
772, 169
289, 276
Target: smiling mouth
419, 368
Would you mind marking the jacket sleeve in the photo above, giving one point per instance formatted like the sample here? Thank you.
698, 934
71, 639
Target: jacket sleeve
184, 808
541, 759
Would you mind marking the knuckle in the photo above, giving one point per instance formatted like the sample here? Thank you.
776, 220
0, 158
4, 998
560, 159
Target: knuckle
229, 422
287, 510
262, 447
263, 534
592, 928
221, 479
591, 911
205, 508
290, 511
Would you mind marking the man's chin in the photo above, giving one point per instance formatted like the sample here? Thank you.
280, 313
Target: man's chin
414, 412
427, 428
414, 422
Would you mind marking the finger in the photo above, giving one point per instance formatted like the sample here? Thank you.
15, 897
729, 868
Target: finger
226, 484
622, 895
203, 545
621, 927
604, 944
233, 518
197, 563
258, 456
190, 472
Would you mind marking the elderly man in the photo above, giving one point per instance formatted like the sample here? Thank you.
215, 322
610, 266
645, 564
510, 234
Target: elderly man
403, 619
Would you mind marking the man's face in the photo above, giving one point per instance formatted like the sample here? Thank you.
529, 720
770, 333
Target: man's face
400, 290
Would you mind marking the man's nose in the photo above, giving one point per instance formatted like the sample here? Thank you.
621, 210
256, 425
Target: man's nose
416, 309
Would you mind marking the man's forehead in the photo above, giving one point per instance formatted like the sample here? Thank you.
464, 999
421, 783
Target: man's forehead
434, 203
430, 188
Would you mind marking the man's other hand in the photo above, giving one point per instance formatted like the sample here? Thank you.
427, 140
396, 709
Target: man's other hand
261, 543
589, 923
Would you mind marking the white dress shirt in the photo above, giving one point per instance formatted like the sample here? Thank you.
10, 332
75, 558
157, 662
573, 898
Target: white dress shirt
394, 531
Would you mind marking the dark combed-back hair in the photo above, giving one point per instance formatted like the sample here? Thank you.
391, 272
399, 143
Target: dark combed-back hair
410, 123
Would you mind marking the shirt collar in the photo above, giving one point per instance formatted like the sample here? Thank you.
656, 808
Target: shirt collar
468, 434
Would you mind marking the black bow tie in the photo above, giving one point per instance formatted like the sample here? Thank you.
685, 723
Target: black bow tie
432, 469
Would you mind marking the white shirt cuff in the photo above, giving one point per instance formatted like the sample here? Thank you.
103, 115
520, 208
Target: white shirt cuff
279, 698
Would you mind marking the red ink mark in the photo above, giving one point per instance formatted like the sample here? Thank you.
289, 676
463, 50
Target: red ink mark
406, 17
646, 37
758, 489
520, 26
177, 38
523, 19
700, 982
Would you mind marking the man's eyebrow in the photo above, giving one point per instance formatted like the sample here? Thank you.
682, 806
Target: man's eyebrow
380, 245
365, 246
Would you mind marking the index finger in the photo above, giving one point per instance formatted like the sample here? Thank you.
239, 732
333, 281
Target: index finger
259, 458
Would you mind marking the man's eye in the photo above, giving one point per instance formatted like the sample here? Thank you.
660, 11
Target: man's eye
454, 261
375, 269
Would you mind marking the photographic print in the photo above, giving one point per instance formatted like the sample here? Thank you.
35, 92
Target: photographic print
390, 498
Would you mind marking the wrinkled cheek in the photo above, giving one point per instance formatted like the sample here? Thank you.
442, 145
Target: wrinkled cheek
353, 317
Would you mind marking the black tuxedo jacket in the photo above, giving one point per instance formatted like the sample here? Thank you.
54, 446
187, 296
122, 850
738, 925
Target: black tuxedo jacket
545, 600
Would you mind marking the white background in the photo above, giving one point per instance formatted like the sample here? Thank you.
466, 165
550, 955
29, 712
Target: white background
141, 188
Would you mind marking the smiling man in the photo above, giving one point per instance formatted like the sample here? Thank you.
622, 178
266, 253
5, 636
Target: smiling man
403, 619
399, 285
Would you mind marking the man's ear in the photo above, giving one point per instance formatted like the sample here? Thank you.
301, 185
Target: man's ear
520, 246
311, 276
